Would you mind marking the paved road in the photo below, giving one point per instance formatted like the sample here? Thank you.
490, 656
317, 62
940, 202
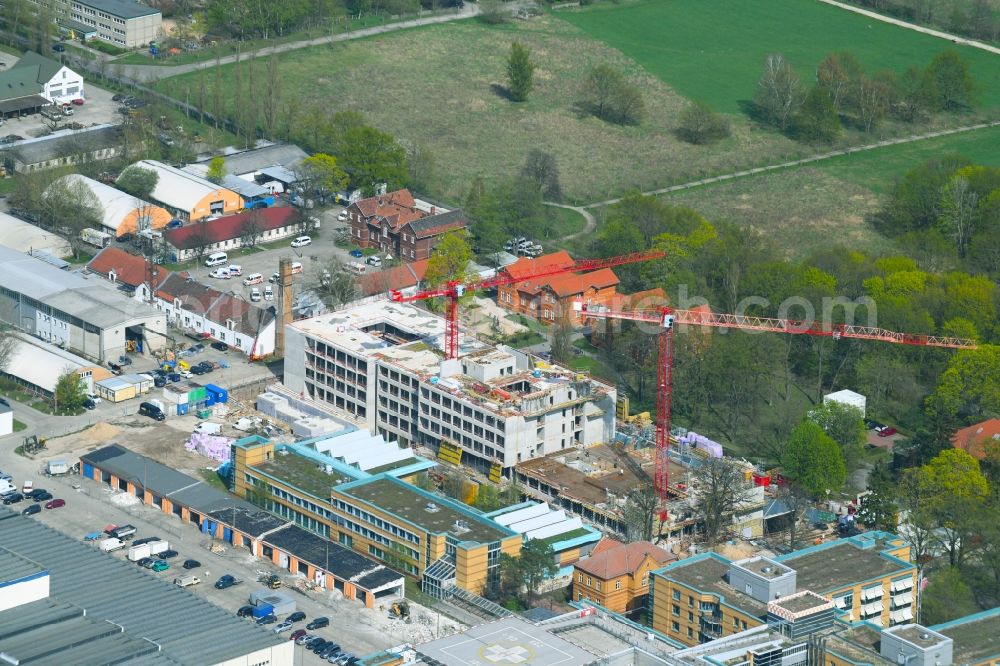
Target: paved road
148, 73
912, 26
808, 160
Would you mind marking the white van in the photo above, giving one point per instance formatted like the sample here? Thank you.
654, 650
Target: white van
296, 267
253, 278
301, 241
217, 259
374, 261
235, 269
184, 581
255, 294
359, 269
268, 293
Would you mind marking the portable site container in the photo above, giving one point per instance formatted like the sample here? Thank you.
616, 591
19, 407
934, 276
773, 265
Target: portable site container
182, 409
281, 604
175, 395
221, 394
142, 382
136, 553
262, 610
116, 389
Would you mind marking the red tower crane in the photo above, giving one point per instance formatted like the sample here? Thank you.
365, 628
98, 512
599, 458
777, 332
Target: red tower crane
454, 290
666, 318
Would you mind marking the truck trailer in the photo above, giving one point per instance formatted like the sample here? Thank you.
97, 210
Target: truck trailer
96, 237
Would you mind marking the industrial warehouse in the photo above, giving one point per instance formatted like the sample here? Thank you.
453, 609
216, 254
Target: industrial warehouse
244, 525
66, 603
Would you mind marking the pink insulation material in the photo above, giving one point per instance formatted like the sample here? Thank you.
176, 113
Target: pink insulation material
713, 449
210, 446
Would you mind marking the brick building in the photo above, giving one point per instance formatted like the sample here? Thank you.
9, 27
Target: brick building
548, 298
400, 225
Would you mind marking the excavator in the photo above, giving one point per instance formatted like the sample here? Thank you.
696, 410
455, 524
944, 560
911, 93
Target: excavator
400, 610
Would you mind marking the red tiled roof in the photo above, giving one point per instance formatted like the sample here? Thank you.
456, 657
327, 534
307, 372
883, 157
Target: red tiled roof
524, 266
400, 277
397, 208
227, 228
568, 284
129, 268
974, 439
640, 300
194, 296
606, 543
621, 559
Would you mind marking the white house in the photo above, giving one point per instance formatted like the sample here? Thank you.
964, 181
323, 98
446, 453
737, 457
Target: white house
34, 74
848, 397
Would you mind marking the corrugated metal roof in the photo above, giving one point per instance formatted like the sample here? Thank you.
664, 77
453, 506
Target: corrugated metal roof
23, 236
117, 205
177, 188
40, 363
15, 567
188, 629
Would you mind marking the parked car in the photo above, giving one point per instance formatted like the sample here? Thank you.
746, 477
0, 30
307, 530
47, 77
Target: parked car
318, 623
297, 634
887, 432
139, 542
266, 619
58, 48
78, 101
221, 346
34, 508
283, 626
245, 611
152, 411
319, 645
191, 564
159, 381
304, 640
356, 253
221, 274
160, 565
39, 494
55, 504
224, 582
90, 404
168, 554
297, 616
13, 498
197, 370
301, 241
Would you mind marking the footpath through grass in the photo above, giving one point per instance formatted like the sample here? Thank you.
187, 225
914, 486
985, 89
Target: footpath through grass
714, 51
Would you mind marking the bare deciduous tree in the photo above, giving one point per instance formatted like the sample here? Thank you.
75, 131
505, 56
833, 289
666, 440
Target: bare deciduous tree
721, 491
779, 91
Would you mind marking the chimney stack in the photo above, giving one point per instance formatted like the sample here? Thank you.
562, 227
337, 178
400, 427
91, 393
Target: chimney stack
284, 304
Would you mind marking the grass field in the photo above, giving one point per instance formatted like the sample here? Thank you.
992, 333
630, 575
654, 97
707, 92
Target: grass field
438, 86
879, 169
830, 199
804, 209
713, 51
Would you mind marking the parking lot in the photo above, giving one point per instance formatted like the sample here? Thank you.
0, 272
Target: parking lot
90, 507
98, 109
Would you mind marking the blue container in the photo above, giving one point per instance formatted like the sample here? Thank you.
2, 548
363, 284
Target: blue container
209, 399
221, 394
182, 409
262, 610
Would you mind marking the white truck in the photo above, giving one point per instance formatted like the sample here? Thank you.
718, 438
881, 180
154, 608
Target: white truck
136, 553
157, 547
57, 467
6, 486
109, 545
96, 237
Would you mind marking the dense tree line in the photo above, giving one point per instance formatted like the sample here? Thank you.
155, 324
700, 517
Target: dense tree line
844, 94
751, 389
972, 18
948, 211
250, 19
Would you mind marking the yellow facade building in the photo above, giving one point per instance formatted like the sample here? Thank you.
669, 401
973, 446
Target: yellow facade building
378, 513
868, 577
616, 575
